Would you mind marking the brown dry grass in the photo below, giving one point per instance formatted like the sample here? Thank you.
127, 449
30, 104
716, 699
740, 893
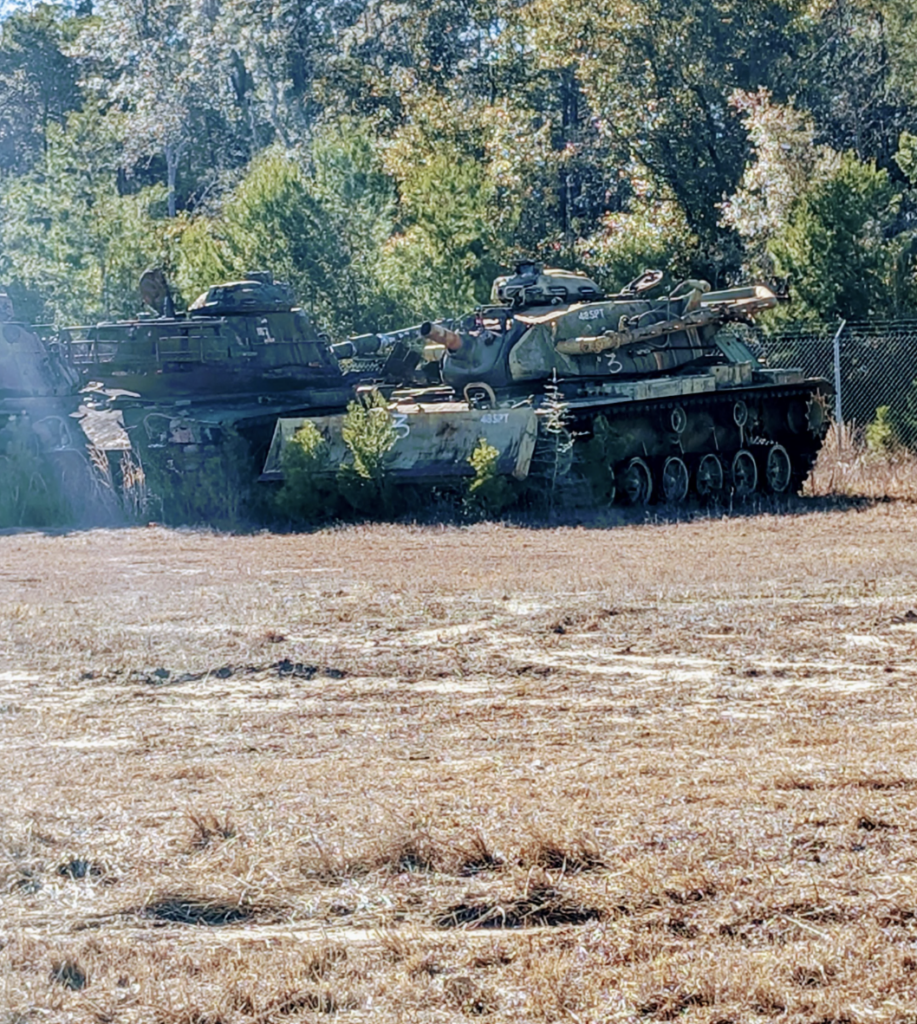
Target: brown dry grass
847, 467
659, 772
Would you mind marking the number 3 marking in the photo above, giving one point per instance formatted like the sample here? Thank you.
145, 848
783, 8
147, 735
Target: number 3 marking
400, 423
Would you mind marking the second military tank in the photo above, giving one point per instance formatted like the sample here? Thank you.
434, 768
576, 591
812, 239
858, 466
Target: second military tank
657, 392
179, 407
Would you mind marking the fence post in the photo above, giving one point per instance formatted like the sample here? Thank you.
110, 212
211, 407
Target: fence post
838, 402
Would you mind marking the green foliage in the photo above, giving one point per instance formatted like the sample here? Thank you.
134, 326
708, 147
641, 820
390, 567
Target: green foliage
838, 246
69, 237
271, 220
310, 490
445, 259
388, 159
30, 493
38, 83
899, 424
358, 198
881, 435
651, 235
322, 231
369, 435
906, 157
489, 492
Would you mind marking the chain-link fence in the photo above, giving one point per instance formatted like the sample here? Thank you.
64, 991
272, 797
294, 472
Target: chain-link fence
872, 367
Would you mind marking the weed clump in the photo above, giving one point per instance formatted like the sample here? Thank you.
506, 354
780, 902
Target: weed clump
489, 492
210, 829
213, 912
309, 491
541, 906
881, 435
369, 434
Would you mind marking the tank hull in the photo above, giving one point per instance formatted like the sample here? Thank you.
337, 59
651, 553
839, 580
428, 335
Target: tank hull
732, 430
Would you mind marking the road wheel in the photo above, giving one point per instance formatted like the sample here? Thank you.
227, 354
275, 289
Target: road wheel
635, 483
778, 469
675, 480
744, 472
710, 478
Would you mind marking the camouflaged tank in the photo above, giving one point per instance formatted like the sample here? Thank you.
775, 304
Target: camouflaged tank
652, 395
182, 406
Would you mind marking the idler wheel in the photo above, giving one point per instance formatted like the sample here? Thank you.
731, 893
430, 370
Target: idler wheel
675, 480
778, 469
635, 483
744, 472
711, 476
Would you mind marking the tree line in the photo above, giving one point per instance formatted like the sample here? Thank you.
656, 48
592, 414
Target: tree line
389, 157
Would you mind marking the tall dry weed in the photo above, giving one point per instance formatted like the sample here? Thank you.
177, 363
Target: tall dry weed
848, 467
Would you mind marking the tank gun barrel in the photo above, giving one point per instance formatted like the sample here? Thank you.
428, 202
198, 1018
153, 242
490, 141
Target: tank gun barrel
442, 335
361, 345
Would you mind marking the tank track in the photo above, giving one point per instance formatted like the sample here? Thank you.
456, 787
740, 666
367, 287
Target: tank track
730, 443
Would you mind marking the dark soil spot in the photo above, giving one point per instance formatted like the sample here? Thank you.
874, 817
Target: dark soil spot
902, 916
163, 677
671, 1005
478, 857
883, 785
806, 785
316, 1000
69, 974
812, 977
683, 930
681, 897
543, 906
869, 824
79, 867
295, 668
197, 910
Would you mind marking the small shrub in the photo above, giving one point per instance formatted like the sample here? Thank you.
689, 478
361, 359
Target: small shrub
881, 434
489, 492
310, 490
369, 435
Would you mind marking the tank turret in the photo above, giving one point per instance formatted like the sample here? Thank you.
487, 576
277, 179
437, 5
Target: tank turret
257, 293
240, 338
539, 333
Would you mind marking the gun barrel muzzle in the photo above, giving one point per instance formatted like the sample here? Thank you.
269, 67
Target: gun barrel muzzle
436, 332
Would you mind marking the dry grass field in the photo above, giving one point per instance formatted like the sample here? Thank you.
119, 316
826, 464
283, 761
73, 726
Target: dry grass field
665, 771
